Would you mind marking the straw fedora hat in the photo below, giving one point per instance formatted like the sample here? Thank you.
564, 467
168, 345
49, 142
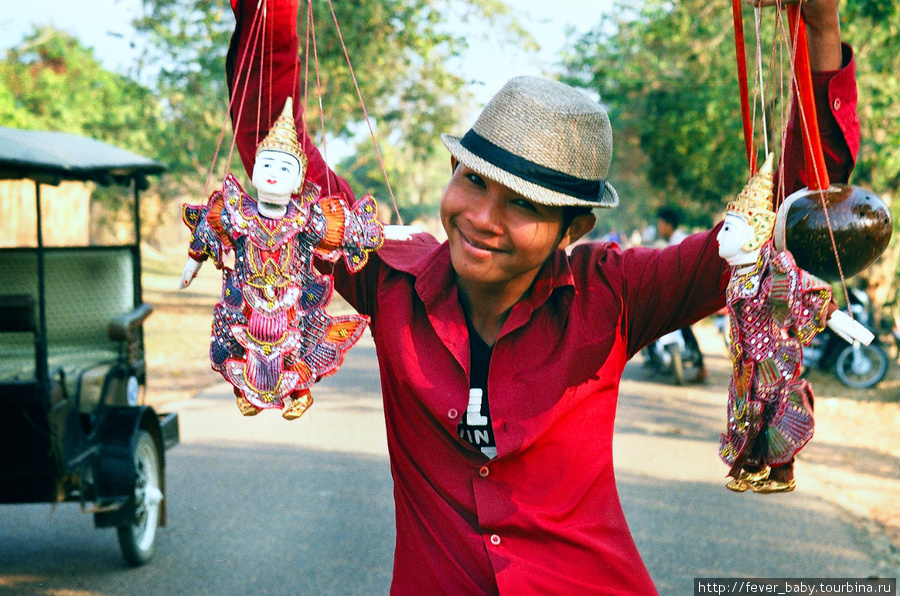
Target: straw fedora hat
545, 140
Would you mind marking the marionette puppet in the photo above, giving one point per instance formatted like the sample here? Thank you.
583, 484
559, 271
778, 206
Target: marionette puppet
774, 308
271, 336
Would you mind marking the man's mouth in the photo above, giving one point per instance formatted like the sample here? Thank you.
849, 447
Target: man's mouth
478, 246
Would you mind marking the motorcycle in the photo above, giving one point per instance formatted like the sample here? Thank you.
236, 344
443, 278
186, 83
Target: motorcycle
670, 355
855, 365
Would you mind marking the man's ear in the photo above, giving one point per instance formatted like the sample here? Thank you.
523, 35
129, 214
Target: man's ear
453, 163
581, 225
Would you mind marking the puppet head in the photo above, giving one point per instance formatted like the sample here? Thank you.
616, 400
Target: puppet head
280, 166
749, 219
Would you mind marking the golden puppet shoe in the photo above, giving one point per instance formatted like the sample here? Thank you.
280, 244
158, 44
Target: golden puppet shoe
297, 405
746, 480
738, 485
767, 487
246, 408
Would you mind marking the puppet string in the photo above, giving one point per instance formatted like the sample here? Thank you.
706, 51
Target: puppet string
365, 112
312, 28
816, 162
253, 34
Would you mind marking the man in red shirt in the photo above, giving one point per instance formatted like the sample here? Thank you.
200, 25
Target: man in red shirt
500, 355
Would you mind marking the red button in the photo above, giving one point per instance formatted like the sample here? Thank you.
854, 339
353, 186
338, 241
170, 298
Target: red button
495, 540
452, 414
484, 471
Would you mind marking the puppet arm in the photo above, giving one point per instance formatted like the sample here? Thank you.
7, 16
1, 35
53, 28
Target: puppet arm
849, 329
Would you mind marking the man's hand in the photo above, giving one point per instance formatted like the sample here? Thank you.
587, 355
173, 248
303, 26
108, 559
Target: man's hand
823, 30
190, 272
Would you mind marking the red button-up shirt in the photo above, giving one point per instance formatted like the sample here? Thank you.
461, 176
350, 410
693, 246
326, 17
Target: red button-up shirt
543, 517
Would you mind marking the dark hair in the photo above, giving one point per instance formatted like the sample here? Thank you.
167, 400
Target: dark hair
570, 212
670, 215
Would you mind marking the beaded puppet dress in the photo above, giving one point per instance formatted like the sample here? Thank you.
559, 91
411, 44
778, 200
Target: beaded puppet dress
271, 335
774, 308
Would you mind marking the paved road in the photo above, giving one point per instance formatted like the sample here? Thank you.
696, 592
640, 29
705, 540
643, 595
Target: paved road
262, 506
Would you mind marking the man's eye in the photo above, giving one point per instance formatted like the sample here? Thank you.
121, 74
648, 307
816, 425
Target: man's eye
475, 179
524, 204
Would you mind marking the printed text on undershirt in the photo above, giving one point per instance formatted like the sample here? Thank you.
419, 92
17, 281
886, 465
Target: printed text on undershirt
475, 426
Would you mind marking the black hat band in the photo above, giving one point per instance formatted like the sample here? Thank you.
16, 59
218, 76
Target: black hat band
586, 190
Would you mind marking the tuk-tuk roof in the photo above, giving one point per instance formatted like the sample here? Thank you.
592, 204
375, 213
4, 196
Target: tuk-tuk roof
51, 157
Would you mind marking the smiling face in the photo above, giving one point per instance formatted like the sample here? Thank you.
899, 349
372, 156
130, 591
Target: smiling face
498, 239
276, 175
735, 233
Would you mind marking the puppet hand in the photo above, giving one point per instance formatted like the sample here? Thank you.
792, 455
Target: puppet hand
400, 232
190, 272
842, 324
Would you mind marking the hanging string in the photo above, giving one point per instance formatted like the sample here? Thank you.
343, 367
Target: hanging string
312, 27
815, 158
306, 69
240, 70
740, 51
778, 58
258, 39
365, 113
801, 82
759, 78
262, 75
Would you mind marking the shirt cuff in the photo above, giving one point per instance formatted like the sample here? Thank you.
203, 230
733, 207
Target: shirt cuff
835, 93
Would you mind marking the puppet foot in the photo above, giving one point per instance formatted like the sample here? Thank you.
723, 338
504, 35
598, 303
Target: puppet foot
747, 480
297, 405
246, 408
738, 485
773, 486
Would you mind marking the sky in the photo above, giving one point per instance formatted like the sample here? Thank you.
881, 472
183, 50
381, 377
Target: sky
105, 25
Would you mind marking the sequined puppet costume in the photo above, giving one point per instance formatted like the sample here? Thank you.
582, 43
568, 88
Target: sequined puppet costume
271, 336
774, 308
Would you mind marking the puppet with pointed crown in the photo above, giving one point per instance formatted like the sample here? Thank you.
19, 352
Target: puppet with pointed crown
272, 338
774, 309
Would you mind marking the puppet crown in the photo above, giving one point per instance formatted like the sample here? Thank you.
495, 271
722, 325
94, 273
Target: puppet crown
754, 204
283, 135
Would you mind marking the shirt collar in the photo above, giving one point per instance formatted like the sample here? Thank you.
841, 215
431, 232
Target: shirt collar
435, 278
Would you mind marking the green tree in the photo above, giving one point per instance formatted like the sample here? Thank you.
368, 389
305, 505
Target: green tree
666, 74
874, 28
52, 82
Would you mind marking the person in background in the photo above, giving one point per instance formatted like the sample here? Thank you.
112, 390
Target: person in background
669, 233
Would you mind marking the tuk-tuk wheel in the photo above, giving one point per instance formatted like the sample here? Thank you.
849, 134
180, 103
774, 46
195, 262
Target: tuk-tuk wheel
137, 540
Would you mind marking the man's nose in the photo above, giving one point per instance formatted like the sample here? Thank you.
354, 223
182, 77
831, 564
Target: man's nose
486, 213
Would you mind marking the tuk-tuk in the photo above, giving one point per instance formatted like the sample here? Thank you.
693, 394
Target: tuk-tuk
73, 423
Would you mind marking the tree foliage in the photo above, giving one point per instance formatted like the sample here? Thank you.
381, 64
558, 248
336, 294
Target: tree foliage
667, 73
52, 82
873, 26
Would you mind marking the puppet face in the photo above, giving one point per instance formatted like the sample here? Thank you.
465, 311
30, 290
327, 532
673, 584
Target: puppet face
735, 233
276, 175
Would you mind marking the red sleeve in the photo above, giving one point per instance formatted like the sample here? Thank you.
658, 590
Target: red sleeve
670, 288
263, 69
836, 99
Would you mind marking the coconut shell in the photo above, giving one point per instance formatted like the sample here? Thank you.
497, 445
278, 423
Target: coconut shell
860, 223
